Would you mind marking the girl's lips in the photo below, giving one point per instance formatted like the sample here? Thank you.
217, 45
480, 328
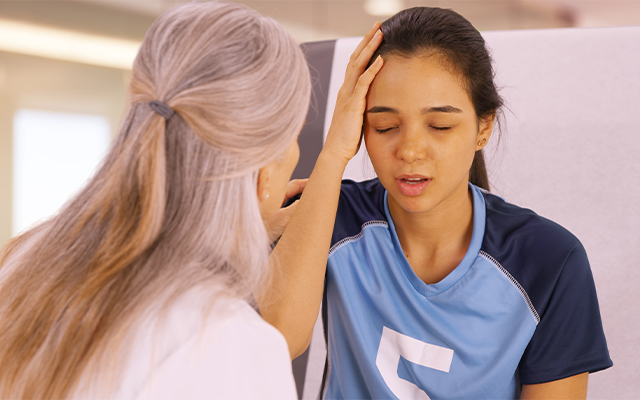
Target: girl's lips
412, 185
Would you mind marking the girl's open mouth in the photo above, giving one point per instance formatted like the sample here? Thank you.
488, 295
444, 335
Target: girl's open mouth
412, 185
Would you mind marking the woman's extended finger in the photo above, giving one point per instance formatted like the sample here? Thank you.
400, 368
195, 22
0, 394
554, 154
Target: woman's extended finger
278, 223
294, 187
357, 66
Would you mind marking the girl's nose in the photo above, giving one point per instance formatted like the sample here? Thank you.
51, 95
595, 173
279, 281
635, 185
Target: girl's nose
412, 147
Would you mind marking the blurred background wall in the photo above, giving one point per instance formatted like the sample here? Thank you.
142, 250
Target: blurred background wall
65, 65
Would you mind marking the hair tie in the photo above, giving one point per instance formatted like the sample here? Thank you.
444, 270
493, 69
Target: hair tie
162, 109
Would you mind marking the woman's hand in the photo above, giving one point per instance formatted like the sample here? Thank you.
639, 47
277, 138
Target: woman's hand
278, 223
345, 132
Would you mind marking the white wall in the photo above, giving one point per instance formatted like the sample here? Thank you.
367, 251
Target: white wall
44, 84
570, 152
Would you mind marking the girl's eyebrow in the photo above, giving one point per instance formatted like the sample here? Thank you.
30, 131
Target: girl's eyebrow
443, 109
379, 109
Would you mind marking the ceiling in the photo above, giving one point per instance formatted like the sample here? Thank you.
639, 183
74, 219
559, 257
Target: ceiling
309, 20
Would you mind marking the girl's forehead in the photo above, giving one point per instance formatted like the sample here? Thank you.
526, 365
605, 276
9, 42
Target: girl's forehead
420, 79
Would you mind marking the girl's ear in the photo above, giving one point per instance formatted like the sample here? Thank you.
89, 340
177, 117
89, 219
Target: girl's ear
485, 129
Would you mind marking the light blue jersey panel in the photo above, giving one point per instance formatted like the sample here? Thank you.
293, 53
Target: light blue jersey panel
393, 336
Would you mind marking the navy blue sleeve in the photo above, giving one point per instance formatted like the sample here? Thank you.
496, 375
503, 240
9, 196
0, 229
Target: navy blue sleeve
569, 339
359, 203
551, 265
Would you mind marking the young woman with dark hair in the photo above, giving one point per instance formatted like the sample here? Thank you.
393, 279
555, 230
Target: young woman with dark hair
433, 287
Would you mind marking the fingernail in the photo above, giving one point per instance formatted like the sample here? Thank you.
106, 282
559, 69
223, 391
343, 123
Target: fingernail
375, 24
379, 59
378, 33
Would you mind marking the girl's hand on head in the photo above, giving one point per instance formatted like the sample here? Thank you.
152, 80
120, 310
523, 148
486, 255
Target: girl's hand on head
278, 223
343, 139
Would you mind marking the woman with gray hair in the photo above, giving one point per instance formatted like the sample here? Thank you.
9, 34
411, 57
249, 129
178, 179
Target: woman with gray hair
141, 285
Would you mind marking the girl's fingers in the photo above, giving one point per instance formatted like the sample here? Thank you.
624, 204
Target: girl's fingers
346, 126
364, 81
367, 38
368, 51
358, 64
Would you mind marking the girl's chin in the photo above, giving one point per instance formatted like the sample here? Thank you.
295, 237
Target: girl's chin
409, 204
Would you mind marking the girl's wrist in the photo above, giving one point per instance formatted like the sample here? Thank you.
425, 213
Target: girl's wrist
329, 157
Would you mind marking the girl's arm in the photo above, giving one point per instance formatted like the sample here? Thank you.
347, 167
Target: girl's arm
292, 301
573, 387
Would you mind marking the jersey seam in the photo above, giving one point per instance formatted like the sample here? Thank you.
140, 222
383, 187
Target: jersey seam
514, 282
357, 237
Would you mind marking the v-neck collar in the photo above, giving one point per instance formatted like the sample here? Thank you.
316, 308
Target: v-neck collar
479, 217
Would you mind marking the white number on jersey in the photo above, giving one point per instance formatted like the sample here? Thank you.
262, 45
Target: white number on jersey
393, 345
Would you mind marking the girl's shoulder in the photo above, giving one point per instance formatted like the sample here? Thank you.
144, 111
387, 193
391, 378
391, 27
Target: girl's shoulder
523, 229
365, 193
360, 204
540, 255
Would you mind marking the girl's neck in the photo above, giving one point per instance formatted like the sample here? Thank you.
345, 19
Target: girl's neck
435, 242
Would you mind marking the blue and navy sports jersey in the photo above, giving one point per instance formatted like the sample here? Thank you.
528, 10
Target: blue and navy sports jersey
521, 307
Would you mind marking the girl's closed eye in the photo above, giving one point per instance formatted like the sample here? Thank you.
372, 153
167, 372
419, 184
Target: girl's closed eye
383, 130
440, 128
